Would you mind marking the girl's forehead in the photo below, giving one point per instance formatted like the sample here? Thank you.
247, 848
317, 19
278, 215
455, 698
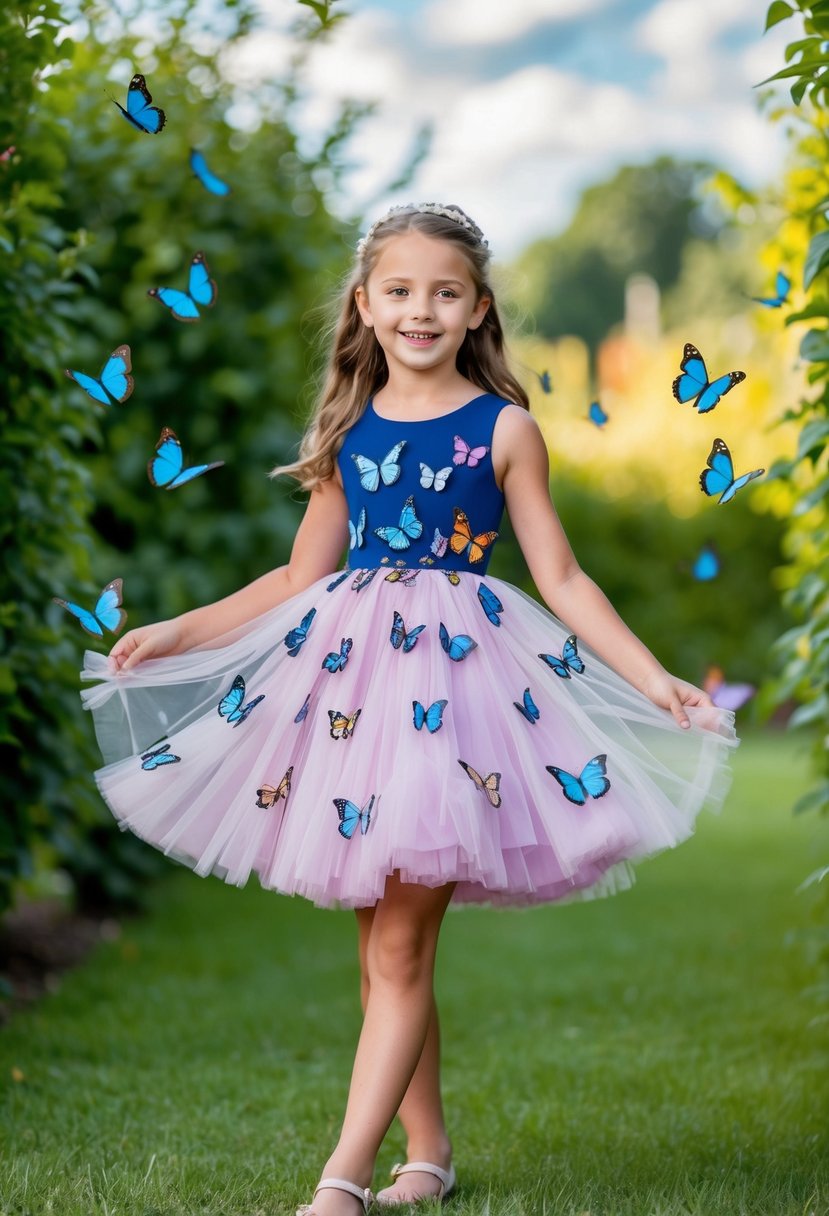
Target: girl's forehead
415, 255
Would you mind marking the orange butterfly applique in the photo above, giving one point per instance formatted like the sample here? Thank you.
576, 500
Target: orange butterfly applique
462, 538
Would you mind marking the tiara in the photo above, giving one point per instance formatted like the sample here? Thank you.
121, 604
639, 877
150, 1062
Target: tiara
449, 213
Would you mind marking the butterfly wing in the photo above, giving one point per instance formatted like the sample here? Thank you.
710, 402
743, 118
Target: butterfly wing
457, 647
434, 716
570, 655
490, 603
85, 618
365, 816
115, 376
90, 385
439, 543
706, 565
389, 465
731, 696
158, 757
718, 478
712, 393
267, 796
166, 465
418, 715
349, 815
461, 537
593, 777
108, 609
694, 377
739, 482
209, 180
479, 544
230, 705
303, 713
369, 472
462, 450
572, 788
182, 307
245, 713
201, 287
356, 531
596, 414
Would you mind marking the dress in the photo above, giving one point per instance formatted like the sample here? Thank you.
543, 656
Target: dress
407, 713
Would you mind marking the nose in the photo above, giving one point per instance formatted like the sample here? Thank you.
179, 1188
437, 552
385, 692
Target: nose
421, 310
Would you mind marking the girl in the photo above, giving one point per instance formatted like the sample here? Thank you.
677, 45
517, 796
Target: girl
408, 733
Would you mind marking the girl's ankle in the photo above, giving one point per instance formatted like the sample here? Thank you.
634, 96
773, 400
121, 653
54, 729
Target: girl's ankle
435, 1149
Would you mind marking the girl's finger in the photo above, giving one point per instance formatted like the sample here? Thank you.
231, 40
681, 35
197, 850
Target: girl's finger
679, 713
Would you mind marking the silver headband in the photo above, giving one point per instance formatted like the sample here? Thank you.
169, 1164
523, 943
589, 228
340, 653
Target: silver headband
449, 213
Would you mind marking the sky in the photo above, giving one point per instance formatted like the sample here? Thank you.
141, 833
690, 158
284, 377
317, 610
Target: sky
531, 100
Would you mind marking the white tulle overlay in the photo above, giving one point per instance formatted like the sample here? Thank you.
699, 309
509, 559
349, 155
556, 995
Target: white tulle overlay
429, 820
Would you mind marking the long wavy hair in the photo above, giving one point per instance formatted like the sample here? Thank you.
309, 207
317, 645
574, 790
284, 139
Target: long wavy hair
357, 369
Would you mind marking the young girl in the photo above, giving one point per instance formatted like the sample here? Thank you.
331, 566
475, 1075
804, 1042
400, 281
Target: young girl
408, 732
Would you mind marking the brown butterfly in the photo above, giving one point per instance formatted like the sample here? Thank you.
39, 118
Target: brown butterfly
269, 795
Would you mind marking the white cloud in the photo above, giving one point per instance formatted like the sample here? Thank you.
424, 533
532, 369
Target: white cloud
467, 22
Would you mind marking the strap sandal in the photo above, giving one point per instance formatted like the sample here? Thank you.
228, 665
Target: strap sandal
338, 1184
446, 1178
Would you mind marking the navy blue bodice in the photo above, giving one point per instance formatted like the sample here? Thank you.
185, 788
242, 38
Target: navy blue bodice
423, 493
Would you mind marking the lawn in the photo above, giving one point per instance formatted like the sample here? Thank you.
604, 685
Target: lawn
650, 1054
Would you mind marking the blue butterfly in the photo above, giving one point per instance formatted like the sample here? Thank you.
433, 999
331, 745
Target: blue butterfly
303, 713
114, 384
209, 180
706, 565
201, 290
336, 662
158, 757
230, 706
140, 113
529, 709
350, 815
545, 382
694, 381
597, 415
457, 647
432, 717
782, 287
107, 613
371, 472
339, 579
490, 603
592, 781
568, 661
409, 528
399, 637
719, 478
166, 468
355, 532
295, 638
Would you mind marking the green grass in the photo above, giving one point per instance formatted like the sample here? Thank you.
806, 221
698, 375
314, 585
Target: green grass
649, 1054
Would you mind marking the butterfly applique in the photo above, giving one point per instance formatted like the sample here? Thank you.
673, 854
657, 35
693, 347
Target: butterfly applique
114, 385
167, 469
726, 696
694, 382
402, 575
462, 539
464, 454
295, 638
597, 415
140, 111
350, 815
431, 718
489, 785
355, 531
107, 613
568, 661
269, 795
339, 579
440, 543
342, 725
591, 783
303, 713
432, 479
719, 477
158, 757
453, 576
231, 707
408, 529
707, 564
400, 638
528, 708
386, 470
336, 661
201, 292
457, 647
782, 287
490, 603
209, 180
362, 578
545, 381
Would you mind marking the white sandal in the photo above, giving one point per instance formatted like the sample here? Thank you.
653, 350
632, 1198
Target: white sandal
446, 1178
338, 1184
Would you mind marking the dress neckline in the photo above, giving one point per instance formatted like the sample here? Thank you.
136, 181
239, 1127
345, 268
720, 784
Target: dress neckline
418, 421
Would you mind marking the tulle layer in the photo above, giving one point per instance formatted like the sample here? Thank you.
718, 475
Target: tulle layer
430, 820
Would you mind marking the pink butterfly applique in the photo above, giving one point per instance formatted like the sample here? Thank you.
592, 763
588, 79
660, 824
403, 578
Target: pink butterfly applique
464, 454
438, 545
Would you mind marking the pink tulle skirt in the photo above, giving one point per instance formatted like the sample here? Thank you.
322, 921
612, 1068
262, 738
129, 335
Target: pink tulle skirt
249, 755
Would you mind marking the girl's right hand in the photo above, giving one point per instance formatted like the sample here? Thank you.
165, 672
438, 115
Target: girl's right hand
149, 642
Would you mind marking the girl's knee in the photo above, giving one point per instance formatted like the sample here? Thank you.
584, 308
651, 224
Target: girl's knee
400, 953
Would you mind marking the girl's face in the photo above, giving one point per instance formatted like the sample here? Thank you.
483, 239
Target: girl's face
420, 301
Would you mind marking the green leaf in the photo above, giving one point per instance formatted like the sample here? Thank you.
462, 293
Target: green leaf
815, 798
814, 497
811, 436
812, 711
814, 347
778, 11
816, 258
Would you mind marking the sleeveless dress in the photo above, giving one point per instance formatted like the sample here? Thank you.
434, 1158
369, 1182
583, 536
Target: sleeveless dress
408, 713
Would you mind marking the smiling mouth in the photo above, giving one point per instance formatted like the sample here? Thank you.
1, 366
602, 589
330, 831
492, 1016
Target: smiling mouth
414, 335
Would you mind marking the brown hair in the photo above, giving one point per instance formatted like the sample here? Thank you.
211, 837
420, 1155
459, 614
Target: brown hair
357, 365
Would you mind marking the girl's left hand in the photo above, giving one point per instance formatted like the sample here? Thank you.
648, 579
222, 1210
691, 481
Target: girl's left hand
668, 692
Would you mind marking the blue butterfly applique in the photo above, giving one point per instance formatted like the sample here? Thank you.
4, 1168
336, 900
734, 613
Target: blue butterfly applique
399, 637
490, 603
107, 613
166, 468
158, 757
303, 713
201, 292
457, 647
332, 586
568, 661
434, 479
597, 415
355, 531
231, 707
782, 287
707, 564
431, 718
114, 384
350, 815
209, 180
140, 111
409, 528
528, 708
719, 477
295, 638
591, 783
694, 382
336, 661
386, 470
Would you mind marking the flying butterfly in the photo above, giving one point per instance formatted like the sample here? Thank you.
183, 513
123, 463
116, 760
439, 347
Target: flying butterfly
140, 112
457, 647
372, 472
528, 708
719, 477
342, 725
269, 795
568, 661
201, 292
782, 287
209, 180
431, 718
114, 385
166, 468
158, 757
693, 383
490, 603
707, 564
107, 613
724, 695
400, 638
597, 415
464, 454
591, 782
462, 539
489, 785
355, 531
545, 381
295, 638
231, 707
335, 661
432, 479
408, 529
350, 815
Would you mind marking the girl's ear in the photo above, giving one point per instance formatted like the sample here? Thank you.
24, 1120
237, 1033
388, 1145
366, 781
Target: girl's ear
361, 300
479, 312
